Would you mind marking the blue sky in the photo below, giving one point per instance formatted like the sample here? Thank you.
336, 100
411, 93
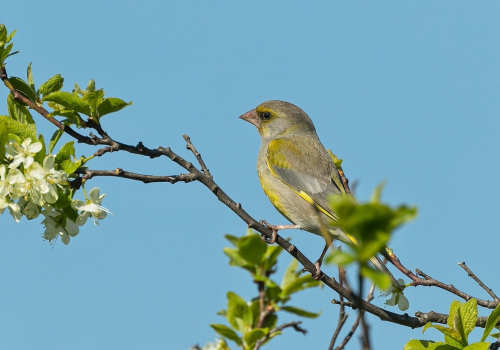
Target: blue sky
406, 92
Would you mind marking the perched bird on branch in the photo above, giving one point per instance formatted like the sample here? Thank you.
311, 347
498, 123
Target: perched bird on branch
297, 173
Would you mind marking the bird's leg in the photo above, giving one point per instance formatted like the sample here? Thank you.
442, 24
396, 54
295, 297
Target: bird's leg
275, 229
320, 261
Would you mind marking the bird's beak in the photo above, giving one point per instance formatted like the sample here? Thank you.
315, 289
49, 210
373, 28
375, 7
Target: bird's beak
251, 117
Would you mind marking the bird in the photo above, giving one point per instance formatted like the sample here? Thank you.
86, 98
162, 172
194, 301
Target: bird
298, 174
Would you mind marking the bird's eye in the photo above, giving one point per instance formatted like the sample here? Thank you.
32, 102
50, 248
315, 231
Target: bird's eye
265, 116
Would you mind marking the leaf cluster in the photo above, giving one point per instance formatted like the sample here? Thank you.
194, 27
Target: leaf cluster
461, 322
19, 126
369, 226
251, 321
70, 105
5, 38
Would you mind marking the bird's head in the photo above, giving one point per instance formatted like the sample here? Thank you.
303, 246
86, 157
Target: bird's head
278, 118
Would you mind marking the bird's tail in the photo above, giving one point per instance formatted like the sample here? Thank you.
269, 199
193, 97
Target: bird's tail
379, 265
376, 261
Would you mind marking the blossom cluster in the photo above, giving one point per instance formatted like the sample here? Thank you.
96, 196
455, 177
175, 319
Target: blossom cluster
29, 188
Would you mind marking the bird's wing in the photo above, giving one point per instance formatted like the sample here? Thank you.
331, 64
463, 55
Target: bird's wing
310, 174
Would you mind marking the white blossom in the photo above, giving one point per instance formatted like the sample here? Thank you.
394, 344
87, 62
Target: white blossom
16, 183
34, 174
4, 184
92, 207
397, 297
22, 153
14, 210
47, 178
57, 224
28, 208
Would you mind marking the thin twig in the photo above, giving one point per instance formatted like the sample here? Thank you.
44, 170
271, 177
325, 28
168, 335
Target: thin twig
428, 281
342, 345
264, 312
478, 281
365, 335
190, 146
88, 174
295, 326
342, 315
344, 303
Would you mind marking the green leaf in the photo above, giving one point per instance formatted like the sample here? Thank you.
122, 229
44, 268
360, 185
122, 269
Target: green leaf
454, 309
3, 35
31, 83
381, 279
468, 314
493, 319
235, 259
478, 346
68, 210
221, 313
250, 338
241, 326
11, 35
65, 153
371, 224
339, 257
270, 321
255, 310
4, 139
274, 294
300, 312
68, 100
289, 276
227, 333
23, 87
53, 140
93, 99
4, 53
271, 256
369, 248
52, 85
64, 202
20, 130
71, 116
238, 308
427, 345
18, 111
110, 105
91, 86
455, 322
232, 239
292, 283
267, 281
451, 335
70, 167
252, 248
299, 284
40, 156
377, 193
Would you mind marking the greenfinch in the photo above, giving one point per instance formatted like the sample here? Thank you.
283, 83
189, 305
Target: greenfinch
297, 173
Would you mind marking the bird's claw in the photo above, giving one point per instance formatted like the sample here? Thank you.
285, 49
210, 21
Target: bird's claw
274, 234
317, 276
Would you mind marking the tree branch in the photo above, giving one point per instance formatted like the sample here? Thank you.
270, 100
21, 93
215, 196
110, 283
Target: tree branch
88, 174
478, 281
206, 179
428, 281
